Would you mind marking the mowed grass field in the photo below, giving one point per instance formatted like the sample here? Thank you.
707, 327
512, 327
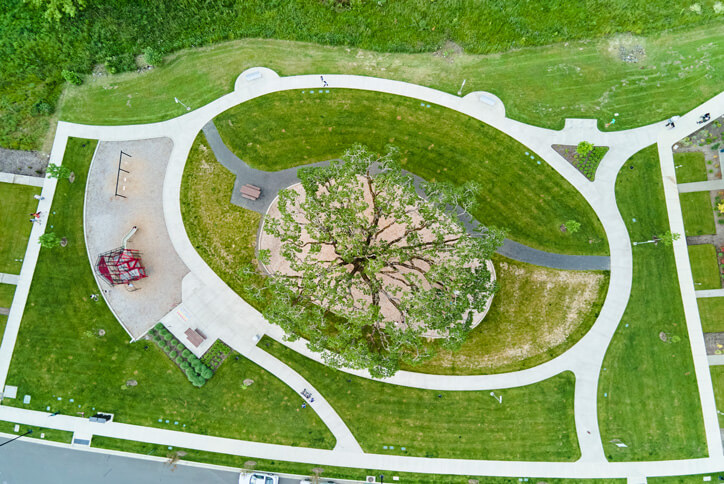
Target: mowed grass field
514, 192
536, 315
648, 396
698, 213
534, 422
704, 266
541, 86
60, 355
711, 311
17, 203
690, 167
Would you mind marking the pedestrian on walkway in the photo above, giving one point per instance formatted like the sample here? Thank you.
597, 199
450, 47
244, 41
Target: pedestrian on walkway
323, 81
704, 118
38, 197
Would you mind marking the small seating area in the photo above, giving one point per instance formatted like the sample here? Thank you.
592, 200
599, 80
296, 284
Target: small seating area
250, 192
195, 337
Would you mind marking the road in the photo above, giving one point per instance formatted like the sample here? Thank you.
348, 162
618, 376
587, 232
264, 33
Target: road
27, 462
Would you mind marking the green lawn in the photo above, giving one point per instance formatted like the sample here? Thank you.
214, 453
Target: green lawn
691, 167
717, 380
704, 266
692, 479
17, 203
648, 395
536, 315
541, 86
698, 213
6, 295
48, 434
59, 355
533, 423
330, 472
531, 200
711, 310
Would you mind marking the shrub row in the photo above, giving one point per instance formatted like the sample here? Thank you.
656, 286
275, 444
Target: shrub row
195, 369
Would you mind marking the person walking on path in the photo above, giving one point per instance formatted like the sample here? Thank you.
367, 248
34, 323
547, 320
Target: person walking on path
323, 81
38, 197
704, 118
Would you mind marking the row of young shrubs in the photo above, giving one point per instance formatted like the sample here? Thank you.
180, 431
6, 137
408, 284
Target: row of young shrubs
196, 371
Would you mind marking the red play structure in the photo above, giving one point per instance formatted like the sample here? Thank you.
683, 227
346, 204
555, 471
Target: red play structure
120, 266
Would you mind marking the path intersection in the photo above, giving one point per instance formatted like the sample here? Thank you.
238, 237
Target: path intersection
212, 306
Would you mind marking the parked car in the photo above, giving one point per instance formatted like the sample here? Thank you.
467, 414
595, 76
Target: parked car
258, 478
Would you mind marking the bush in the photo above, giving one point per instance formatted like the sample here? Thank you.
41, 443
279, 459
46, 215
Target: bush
185, 353
72, 77
159, 327
173, 354
206, 372
42, 108
185, 365
180, 347
49, 240
584, 147
174, 342
179, 359
168, 336
164, 331
152, 56
120, 63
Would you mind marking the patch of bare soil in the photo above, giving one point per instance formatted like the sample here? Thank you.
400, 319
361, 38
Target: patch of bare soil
627, 48
449, 51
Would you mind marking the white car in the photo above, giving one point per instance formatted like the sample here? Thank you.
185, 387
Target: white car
258, 478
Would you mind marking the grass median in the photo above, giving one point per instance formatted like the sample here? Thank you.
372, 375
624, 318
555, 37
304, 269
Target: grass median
17, 203
648, 396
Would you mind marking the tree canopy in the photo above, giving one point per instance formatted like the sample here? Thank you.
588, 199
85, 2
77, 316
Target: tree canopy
367, 267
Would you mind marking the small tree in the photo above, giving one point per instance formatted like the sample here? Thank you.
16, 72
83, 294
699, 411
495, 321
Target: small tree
56, 9
668, 238
572, 226
72, 77
584, 148
49, 240
58, 171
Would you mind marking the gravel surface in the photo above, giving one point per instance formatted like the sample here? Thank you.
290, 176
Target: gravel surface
31, 163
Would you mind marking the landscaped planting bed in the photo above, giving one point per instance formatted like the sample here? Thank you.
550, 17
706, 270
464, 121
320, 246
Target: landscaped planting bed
585, 158
196, 371
215, 356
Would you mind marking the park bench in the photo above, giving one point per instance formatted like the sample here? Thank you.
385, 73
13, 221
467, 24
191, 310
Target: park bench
250, 192
253, 75
195, 337
487, 100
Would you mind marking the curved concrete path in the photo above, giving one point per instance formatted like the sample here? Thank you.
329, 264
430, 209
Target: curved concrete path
244, 324
272, 182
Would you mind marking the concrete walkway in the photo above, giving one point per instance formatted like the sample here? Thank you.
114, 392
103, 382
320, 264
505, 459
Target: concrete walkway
21, 179
9, 278
710, 293
272, 182
584, 358
703, 186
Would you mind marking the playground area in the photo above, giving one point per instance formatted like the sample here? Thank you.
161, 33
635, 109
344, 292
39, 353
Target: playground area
125, 187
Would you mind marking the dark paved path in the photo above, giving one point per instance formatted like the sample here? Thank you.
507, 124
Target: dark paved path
272, 181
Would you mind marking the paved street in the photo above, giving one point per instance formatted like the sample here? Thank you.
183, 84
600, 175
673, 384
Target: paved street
25, 462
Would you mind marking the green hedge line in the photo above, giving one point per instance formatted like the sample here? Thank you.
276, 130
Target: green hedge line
194, 369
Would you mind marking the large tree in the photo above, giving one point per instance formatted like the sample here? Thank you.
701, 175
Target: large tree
369, 266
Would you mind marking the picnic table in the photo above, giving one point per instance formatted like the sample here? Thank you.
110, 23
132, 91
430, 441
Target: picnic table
195, 337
